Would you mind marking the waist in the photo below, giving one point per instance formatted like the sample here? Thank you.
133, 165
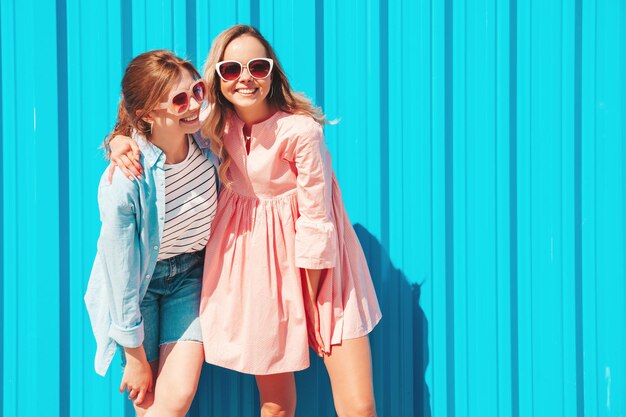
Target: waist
178, 264
260, 198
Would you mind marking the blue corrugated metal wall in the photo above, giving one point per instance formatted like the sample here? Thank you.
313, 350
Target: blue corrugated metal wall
481, 155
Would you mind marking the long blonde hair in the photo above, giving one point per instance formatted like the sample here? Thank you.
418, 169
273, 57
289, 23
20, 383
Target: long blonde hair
282, 97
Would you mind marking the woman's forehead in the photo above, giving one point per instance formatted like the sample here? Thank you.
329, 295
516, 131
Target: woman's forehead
183, 82
243, 48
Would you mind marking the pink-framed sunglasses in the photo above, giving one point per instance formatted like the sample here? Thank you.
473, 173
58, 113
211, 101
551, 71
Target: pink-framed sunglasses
179, 103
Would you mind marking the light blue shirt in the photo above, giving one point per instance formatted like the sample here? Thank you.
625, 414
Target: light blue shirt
132, 215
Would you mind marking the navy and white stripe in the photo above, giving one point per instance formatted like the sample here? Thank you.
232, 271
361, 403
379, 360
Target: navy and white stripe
190, 204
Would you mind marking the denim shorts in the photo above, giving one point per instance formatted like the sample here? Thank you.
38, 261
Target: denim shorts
172, 302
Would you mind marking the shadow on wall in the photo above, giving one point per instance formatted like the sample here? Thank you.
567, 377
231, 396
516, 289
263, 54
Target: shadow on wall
399, 352
400, 342
399, 346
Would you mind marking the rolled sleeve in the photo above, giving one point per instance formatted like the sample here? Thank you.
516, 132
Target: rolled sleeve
127, 337
120, 250
316, 236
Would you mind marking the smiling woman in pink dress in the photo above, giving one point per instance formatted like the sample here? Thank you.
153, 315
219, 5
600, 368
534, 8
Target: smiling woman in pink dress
286, 269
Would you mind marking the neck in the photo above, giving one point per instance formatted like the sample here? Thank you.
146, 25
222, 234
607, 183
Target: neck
251, 117
175, 147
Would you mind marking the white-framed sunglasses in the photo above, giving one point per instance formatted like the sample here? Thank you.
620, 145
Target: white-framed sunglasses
259, 68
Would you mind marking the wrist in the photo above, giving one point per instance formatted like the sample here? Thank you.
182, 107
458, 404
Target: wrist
137, 354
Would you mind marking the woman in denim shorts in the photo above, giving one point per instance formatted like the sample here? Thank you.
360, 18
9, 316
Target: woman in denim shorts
144, 290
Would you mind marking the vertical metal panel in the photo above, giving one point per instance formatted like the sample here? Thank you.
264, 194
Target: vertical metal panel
32, 297
610, 208
589, 209
2, 271
480, 150
437, 343
504, 144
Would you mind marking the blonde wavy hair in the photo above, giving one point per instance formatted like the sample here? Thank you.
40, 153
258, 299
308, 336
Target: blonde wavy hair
282, 97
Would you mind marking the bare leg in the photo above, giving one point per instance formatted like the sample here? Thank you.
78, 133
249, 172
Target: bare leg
278, 394
350, 371
179, 372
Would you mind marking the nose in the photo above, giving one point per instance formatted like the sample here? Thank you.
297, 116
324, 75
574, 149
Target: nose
245, 74
194, 103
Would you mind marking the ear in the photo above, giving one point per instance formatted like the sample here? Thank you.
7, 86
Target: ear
148, 118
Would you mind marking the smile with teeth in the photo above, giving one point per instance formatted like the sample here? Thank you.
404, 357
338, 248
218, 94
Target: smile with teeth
246, 90
190, 118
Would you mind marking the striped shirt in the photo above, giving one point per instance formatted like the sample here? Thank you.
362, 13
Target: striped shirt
190, 204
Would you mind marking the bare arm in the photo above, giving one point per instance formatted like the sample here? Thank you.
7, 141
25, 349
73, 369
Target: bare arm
125, 155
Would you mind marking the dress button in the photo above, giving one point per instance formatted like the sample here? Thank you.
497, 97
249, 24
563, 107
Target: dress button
156, 247
148, 276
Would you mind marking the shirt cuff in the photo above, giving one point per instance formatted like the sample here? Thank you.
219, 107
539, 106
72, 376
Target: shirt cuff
127, 337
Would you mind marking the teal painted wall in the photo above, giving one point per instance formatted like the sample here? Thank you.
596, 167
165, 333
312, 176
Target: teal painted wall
481, 153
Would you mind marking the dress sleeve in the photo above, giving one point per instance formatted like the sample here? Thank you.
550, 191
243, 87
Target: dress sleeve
119, 247
316, 240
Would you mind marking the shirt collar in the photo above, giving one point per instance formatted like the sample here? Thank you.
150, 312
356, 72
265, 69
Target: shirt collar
151, 153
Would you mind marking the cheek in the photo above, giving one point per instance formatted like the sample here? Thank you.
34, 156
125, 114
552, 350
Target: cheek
224, 88
166, 122
267, 87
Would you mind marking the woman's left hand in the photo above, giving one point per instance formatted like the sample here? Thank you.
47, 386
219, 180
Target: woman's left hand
125, 155
309, 287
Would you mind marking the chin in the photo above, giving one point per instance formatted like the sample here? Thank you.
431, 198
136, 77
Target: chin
186, 127
247, 102
192, 129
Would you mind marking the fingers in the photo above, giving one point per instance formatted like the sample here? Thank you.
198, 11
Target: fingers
119, 162
317, 335
314, 334
133, 161
317, 332
135, 150
141, 396
131, 165
122, 386
320, 342
133, 393
136, 164
134, 155
111, 171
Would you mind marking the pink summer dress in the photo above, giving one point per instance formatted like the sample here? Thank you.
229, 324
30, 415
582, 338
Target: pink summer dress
281, 212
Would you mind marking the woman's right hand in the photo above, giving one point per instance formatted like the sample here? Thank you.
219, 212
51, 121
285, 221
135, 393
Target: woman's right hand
125, 155
137, 379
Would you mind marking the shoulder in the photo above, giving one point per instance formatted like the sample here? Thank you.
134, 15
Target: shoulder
119, 193
301, 127
303, 136
299, 122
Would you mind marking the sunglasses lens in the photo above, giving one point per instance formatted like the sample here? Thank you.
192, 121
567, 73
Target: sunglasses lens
180, 102
230, 70
199, 91
259, 68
